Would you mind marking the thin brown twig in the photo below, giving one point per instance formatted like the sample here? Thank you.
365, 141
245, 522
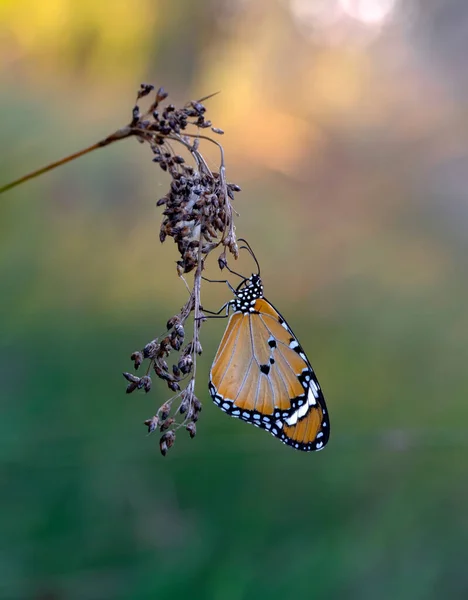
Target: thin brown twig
115, 137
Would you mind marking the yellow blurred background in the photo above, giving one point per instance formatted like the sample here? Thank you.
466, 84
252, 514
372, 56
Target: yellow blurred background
346, 127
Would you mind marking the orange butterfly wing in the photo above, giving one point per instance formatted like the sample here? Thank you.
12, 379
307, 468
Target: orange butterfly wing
261, 375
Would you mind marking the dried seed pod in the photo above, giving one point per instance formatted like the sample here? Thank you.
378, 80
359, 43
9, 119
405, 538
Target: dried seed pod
165, 346
135, 115
233, 247
192, 429
173, 321
211, 230
152, 424
167, 440
145, 383
165, 410
166, 424
222, 262
161, 95
163, 446
161, 373
131, 387
151, 349
137, 358
176, 343
198, 106
209, 247
145, 89
185, 364
180, 331
132, 378
183, 407
187, 350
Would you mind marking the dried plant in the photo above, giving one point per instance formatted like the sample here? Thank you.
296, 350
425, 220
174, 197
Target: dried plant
198, 215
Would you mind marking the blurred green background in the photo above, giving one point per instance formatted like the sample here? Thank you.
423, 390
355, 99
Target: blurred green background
347, 128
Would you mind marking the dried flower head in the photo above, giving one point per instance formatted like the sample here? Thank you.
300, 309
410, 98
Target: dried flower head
198, 216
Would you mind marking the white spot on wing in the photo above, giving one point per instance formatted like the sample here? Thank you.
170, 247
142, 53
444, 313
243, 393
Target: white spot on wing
298, 414
314, 388
302, 411
311, 397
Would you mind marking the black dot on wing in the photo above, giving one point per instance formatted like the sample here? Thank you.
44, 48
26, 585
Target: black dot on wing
272, 360
265, 369
272, 343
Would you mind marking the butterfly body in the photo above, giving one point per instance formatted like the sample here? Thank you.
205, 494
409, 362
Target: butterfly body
261, 374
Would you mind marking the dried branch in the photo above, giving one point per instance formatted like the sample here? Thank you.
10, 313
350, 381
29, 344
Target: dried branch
198, 215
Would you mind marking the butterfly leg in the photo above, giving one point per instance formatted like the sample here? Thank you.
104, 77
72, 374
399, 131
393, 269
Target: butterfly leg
220, 281
217, 315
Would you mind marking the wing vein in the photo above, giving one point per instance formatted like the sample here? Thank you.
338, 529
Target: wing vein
282, 355
230, 358
244, 380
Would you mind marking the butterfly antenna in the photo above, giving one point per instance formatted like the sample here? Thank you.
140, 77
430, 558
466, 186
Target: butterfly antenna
251, 252
234, 272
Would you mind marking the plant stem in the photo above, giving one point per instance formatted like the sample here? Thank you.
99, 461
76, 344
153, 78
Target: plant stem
118, 135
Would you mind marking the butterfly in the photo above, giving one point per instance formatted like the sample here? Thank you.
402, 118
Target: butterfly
261, 374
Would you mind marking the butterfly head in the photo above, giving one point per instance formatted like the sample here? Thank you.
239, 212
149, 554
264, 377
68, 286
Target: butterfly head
247, 293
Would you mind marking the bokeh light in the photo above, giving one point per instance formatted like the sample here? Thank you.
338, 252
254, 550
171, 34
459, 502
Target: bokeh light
369, 12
